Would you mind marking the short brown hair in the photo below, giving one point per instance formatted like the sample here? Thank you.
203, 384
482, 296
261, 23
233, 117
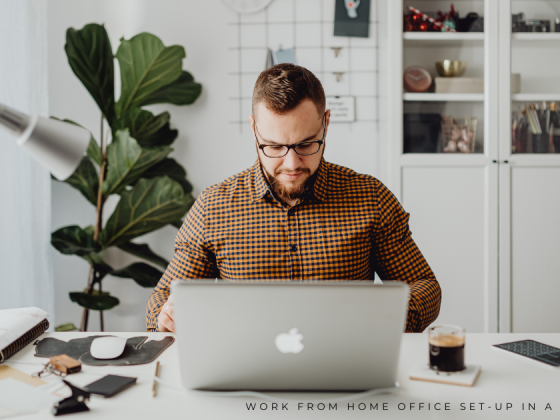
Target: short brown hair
283, 87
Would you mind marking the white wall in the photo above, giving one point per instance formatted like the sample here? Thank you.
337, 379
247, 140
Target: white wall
209, 146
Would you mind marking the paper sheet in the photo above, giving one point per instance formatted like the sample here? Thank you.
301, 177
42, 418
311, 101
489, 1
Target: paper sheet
17, 397
16, 322
9, 372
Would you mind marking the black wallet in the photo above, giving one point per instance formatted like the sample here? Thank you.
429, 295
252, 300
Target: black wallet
110, 385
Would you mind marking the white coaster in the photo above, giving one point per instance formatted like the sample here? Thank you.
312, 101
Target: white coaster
465, 378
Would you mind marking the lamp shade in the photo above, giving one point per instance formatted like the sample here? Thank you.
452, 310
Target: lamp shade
57, 145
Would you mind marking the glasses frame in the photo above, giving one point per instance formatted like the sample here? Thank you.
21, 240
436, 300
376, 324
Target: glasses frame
292, 146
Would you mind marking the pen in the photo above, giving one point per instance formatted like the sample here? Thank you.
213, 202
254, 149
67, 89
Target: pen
154, 385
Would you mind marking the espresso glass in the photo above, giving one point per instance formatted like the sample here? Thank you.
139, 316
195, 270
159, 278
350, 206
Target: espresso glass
447, 348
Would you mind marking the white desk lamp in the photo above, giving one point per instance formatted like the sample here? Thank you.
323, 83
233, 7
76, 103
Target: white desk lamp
57, 145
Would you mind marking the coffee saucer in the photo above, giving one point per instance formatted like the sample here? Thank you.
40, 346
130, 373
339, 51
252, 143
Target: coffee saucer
466, 377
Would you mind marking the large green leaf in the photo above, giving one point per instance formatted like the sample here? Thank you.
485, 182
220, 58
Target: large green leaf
127, 161
94, 151
146, 128
150, 205
183, 91
177, 223
73, 240
95, 302
144, 251
143, 274
146, 67
91, 58
85, 180
173, 170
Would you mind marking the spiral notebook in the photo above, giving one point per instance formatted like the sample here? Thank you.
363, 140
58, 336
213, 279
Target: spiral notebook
19, 327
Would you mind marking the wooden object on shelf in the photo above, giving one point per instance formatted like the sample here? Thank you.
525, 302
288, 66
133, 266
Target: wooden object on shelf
459, 84
471, 84
417, 79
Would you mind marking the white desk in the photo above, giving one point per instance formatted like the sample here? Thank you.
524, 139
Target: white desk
504, 379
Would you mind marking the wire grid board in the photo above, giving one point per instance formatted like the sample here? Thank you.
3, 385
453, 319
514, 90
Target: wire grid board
308, 27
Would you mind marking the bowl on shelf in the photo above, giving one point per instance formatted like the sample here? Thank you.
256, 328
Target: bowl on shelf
451, 68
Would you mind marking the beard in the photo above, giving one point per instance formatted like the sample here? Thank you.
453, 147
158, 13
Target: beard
289, 191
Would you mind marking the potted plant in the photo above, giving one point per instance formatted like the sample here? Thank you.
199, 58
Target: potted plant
132, 162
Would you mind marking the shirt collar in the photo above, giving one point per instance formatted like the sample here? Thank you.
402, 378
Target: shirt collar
260, 184
320, 189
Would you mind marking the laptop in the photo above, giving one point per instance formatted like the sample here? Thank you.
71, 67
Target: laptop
289, 336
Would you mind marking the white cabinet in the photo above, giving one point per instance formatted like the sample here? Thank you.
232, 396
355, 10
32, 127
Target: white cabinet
529, 207
488, 222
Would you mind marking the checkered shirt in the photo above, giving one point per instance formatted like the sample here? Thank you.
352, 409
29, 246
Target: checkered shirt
349, 227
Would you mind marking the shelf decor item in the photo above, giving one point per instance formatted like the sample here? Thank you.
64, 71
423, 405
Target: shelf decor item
419, 21
417, 79
451, 68
458, 134
459, 85
131, 162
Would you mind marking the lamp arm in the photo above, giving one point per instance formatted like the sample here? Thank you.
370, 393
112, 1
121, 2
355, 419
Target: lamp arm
15, 121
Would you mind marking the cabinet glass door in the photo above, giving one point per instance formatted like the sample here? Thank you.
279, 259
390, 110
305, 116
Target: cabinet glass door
444, 69
535, 76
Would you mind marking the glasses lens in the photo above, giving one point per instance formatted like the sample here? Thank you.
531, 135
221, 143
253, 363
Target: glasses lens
275, 151
307, 148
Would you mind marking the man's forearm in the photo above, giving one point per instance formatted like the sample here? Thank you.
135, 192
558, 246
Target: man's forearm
157, 299
424, 303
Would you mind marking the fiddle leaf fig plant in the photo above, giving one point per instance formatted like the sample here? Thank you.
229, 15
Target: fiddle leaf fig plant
133, 163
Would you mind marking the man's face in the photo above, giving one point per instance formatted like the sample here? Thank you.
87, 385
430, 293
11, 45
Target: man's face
289, 176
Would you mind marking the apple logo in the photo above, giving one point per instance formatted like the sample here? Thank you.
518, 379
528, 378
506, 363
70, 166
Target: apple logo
289, 343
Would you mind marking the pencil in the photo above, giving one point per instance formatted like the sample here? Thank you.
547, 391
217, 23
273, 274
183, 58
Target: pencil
154, 385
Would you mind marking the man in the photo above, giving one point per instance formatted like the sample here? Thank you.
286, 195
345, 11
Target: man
293, 215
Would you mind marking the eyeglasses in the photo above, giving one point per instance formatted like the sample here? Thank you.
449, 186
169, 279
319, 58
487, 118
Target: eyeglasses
305, 148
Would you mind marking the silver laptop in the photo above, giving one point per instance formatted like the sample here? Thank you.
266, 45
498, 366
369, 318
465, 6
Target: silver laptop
287, 335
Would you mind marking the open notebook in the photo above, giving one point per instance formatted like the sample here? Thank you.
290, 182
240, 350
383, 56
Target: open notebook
19, 327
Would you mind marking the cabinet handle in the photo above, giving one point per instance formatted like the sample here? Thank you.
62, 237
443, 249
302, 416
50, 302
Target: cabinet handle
494, 161
505, 161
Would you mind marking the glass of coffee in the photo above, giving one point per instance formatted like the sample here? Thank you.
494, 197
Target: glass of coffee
447, 348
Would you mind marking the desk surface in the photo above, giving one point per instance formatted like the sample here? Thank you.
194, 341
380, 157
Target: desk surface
505, 379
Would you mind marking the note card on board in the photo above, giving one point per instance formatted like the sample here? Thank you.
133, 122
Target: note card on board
343, 108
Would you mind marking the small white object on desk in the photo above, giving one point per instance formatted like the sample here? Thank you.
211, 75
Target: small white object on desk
465, 378
107, 347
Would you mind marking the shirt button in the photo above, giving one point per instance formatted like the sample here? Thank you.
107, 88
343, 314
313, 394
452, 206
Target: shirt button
293, 248
291, 212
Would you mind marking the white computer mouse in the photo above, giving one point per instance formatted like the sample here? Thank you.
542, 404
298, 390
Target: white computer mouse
107, 347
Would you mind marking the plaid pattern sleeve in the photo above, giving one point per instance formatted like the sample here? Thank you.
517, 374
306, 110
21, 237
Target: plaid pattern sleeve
192, 259
348, 227
397, 257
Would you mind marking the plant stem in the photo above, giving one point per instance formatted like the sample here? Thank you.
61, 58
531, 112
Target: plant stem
99, 219
101, 323
85, 313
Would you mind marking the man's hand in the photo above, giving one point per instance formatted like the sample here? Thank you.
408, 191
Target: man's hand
165, 319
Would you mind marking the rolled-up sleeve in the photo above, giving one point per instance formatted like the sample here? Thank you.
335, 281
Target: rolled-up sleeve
397, 257
193, 259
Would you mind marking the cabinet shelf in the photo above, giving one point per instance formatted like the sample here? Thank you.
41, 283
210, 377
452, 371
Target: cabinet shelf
538, 36
441, 38
444, 159
444, 97
535, 97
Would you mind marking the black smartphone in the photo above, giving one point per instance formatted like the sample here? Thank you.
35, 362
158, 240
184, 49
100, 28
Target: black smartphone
110, 385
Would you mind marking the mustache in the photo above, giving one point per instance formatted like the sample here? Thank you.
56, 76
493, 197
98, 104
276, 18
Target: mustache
296, 171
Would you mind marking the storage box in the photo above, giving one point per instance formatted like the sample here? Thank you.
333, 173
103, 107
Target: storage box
471, 84
459, 85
